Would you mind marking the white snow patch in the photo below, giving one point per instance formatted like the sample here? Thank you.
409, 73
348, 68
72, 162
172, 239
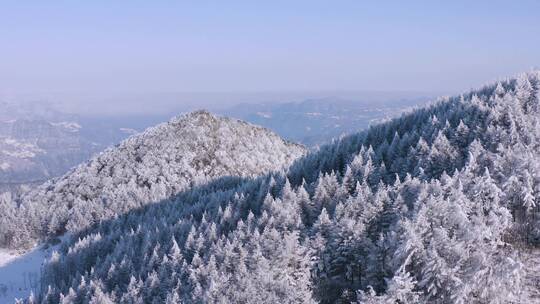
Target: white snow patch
18, 149
7, 256
69, 125
264, 114
11, 141
128, 131
313, 114
4, 166
19, 154
20, 272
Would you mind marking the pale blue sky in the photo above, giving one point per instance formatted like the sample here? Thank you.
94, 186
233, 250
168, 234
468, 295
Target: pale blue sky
77, 49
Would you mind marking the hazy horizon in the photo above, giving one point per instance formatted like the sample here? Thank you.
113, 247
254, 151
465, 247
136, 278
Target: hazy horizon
214, 101
121, 56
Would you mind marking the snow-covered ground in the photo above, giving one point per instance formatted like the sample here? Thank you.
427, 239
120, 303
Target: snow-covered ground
20, 272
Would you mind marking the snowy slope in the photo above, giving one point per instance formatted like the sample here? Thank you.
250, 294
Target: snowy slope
20, 272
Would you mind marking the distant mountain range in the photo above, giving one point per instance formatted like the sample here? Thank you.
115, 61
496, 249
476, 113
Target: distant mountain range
33, 150
318, 121
38, 142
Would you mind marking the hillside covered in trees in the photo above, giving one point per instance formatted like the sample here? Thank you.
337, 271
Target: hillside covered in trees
189, 150
438, 206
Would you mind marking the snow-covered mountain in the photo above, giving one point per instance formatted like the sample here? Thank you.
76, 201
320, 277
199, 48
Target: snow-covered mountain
438, 206
147, 168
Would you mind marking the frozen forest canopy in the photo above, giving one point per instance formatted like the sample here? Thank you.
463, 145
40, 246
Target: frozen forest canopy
440, 205
189, 150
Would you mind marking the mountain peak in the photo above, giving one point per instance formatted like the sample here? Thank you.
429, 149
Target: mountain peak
201, 113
